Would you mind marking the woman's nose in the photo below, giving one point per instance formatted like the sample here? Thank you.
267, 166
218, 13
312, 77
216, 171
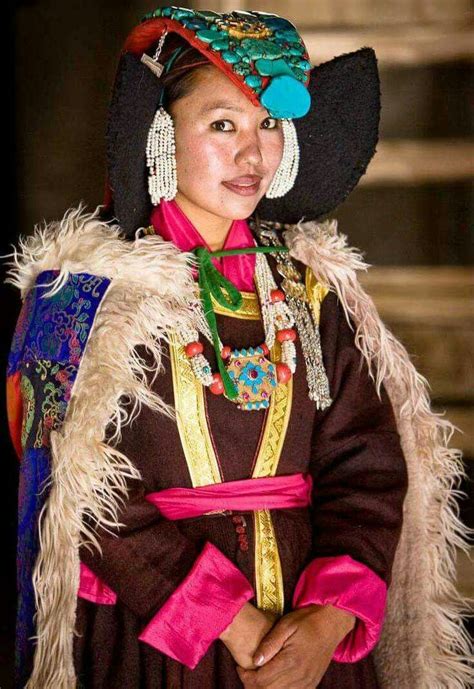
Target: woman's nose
249, 150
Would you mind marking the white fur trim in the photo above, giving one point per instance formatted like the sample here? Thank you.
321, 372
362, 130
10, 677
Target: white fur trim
424, 644
150, 292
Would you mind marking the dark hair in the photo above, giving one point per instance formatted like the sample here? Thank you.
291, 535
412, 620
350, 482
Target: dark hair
180, 79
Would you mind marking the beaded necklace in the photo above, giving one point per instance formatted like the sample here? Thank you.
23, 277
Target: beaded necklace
246, 376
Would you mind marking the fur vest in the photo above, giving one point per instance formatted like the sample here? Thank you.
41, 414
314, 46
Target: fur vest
149, 281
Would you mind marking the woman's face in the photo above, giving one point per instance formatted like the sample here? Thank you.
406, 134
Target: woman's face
224, 143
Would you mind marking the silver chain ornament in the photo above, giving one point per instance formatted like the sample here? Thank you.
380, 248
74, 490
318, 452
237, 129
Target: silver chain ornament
308, 329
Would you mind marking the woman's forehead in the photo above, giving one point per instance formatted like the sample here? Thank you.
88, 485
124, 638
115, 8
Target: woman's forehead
213, 91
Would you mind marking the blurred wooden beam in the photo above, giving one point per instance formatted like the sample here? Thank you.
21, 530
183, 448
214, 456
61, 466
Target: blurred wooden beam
413, 162
310, 13
396, 46
423, 295
431, 310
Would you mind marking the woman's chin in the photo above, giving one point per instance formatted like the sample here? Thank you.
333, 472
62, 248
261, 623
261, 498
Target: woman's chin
238, 206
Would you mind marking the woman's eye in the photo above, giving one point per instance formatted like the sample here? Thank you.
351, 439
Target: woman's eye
217, 125
271, 121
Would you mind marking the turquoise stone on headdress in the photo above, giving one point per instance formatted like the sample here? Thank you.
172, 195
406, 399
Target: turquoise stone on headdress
264, 51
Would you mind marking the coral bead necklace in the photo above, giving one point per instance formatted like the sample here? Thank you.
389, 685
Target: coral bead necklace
246, 376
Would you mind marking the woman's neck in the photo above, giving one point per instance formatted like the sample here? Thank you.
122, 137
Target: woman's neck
211, 227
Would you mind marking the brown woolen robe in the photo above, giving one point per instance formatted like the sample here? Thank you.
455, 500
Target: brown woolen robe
353, 452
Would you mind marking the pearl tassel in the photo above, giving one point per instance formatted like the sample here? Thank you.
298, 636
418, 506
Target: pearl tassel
161, 159
285, 176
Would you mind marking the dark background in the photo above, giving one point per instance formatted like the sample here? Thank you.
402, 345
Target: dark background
58, 66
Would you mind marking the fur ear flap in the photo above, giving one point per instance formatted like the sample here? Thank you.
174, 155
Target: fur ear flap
337, 137
135, 98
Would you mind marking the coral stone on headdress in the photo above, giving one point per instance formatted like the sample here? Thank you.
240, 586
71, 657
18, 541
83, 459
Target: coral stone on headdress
263, 54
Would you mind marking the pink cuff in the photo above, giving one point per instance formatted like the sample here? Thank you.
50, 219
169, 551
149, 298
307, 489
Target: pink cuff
199, 609
94, 589
349, 585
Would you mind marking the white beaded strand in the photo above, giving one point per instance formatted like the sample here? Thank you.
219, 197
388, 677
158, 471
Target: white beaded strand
285, 176
161, 158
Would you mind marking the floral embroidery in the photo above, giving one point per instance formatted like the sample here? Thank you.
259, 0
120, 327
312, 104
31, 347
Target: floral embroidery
61, 322
56, 392
23, 323
28, 404
49, 341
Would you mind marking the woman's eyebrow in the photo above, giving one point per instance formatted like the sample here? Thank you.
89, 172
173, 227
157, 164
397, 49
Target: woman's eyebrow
218, 105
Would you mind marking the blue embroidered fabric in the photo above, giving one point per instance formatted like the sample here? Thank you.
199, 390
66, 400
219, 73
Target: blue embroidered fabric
47, 347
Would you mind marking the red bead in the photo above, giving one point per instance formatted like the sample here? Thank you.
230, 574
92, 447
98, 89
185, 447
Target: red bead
265, 349
286, 335
240, 529
283, 373
244, 546
226, 352
237, 519
193, 348
277, 295
217, 387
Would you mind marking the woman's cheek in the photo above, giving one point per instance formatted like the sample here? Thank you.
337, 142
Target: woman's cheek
216, 156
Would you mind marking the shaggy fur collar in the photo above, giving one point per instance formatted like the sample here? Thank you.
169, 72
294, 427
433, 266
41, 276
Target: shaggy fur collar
423, 644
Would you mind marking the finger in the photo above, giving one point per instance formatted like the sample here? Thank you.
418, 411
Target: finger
247, 677
272, 643
281, 671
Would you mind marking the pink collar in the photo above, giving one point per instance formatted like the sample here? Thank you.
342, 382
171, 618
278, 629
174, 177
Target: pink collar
172, 224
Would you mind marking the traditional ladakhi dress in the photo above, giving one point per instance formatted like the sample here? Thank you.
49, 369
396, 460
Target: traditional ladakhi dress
351, 505
169, 587
281, 507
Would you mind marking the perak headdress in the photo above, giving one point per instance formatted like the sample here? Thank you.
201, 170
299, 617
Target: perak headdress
330, 112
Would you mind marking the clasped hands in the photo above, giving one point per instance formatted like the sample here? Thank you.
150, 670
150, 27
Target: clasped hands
288, 652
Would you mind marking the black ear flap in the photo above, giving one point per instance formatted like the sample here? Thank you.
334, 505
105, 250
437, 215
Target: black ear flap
337, 137
135, 98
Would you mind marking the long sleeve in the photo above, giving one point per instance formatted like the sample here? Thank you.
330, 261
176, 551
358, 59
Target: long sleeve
359, 485
185, 592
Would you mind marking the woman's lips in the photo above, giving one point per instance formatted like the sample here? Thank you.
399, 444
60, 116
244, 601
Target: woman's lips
244, 187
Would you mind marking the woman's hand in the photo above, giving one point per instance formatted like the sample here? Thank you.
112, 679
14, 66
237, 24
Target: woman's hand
245, 633
298, 649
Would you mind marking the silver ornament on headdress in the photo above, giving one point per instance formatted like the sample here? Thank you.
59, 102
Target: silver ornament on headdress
161, 143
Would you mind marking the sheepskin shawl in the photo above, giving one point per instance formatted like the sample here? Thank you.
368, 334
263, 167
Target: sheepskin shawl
424, 644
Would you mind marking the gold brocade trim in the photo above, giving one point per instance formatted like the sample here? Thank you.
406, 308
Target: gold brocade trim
276, 425
250, 309
268, 572
202, 461
191, 419
316, 292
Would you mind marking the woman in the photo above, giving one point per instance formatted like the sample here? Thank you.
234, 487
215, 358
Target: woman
213, 479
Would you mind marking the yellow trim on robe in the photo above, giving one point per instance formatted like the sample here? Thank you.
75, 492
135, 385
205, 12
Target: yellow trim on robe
201, 458
200, 453
316, 292
191, 419
250, 309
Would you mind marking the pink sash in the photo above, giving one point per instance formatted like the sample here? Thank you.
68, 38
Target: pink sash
269, 492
